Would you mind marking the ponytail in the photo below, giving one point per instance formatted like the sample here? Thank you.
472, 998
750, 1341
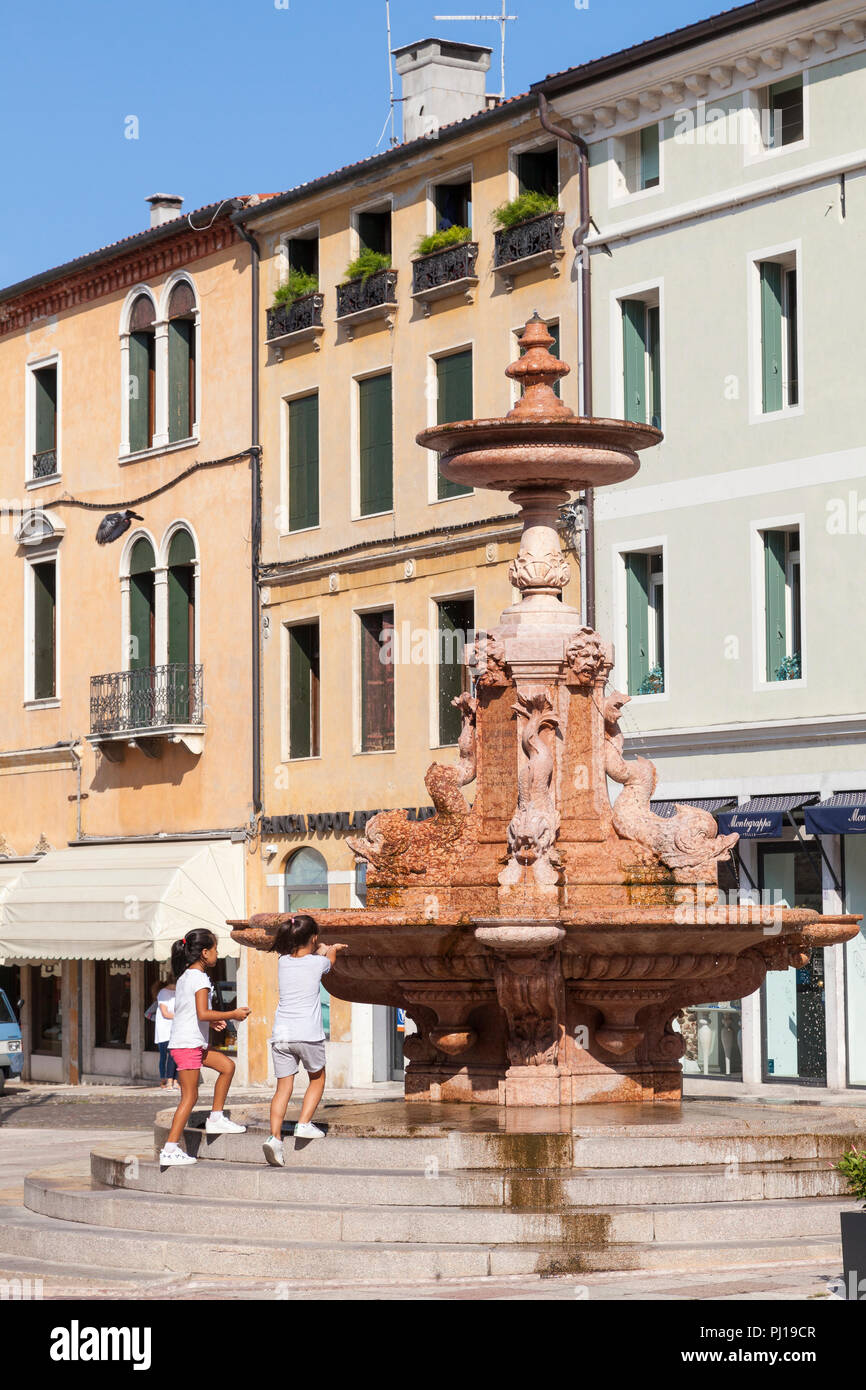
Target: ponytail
188, 949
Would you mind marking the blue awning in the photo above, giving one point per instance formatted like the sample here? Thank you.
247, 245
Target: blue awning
842, 814
666, 809
762, 817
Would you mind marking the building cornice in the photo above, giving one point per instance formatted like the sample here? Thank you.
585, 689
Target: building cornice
113, 273
673, 78
745, 737
395, 550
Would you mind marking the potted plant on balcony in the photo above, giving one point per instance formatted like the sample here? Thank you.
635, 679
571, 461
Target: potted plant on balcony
524, 208
298, 285
366, 264
852, 1166
443, 240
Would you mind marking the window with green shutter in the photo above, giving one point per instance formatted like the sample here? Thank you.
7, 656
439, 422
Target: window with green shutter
181, 362
45, 630
645, 634
649, 156
377, 681
304, 690
142, 611
641, 362
304, 463
376, 444
771, 335
456, 621
181, 625
142, 372
45, 423
454, 402
782, 599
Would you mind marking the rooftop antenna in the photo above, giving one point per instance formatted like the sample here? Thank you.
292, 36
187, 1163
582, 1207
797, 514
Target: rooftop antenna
502, 20
390, 70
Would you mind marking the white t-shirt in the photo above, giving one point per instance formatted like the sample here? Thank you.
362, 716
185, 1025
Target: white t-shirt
299, 1014
162, 1025
186, 1030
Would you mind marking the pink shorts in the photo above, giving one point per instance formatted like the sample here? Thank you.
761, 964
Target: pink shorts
188, 1058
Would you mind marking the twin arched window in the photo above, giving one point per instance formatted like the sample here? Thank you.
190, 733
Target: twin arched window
162, 351
162, 603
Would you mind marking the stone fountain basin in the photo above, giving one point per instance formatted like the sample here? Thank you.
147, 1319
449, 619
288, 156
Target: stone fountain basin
380, 935
552, 451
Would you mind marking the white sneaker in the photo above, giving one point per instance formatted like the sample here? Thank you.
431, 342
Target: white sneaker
221, 1124
307, 1130
274, 1152
175, 1158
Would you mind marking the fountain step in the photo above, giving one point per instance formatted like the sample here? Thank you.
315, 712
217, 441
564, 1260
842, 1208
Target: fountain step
431, 1185
748, 1135
67, 1193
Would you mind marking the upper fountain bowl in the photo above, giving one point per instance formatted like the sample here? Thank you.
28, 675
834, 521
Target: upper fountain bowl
540, 443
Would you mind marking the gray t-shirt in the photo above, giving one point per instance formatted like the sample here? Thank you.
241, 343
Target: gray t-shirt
299, 1014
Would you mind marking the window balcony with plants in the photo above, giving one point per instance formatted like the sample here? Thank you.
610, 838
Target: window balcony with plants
368, 292
529, 236
146, 708
444, 265
296, 313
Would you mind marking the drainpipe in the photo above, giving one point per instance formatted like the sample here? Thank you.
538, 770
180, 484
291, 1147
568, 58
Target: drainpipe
255, 511
579, 242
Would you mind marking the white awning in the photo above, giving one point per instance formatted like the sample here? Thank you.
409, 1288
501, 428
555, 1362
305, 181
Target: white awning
121, 902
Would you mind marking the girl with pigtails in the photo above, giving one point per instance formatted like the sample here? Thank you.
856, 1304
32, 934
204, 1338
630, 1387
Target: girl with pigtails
191, 958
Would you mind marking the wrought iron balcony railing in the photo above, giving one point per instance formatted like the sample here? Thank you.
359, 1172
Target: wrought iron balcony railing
361, 296
151, 698
539, 236
442, 268
303, 313
45, 463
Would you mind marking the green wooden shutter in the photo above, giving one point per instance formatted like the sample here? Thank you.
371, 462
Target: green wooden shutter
141, 605
45, 634
771, 335
139, 390
456, 618
45, 382
454, 380
653, 356
304, 463
774, 589
303, 690
377, 682
649, 156
181, 333
637, 620
634, 360
377, 486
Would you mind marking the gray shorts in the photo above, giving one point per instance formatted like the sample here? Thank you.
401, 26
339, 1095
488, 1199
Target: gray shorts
287, 1055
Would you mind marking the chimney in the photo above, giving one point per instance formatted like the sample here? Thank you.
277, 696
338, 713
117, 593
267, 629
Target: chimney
442, 82
164, 207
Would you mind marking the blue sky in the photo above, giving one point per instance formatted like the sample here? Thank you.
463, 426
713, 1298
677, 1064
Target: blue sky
231, 96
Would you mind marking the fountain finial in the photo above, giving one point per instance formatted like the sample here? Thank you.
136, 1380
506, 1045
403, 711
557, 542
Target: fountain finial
538, 371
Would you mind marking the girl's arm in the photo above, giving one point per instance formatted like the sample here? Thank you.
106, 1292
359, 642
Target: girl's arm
206, 1015
331, 951
164, 1010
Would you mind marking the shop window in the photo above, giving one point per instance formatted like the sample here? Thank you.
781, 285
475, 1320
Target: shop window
46, 1012
111, 1022
795, 1044
306, 890
456, 620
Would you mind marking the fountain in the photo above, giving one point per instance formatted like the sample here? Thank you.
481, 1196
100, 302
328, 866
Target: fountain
544, 940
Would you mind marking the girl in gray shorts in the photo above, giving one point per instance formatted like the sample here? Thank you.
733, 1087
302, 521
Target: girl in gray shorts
298, 1037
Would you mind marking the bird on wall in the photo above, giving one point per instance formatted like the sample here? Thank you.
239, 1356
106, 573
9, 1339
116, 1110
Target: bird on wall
115, 525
